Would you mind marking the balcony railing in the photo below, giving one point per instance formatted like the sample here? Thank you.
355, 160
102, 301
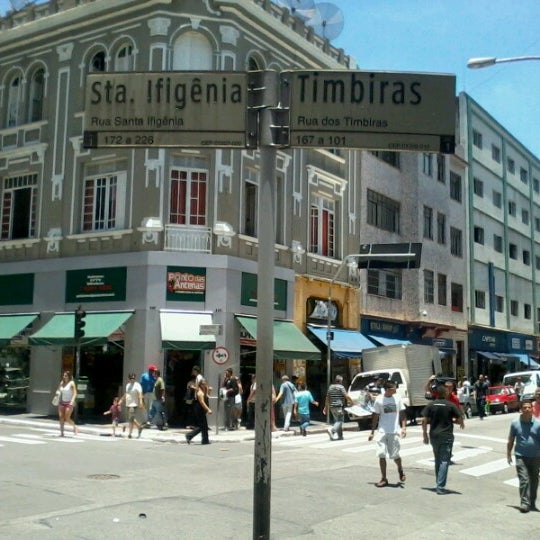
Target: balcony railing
192, 238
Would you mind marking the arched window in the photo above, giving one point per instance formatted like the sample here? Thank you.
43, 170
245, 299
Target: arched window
192, 51
125, 60
254, 64
35, 96
14, 100
97, 63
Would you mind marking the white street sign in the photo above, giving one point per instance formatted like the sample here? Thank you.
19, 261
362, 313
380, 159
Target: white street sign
220, 355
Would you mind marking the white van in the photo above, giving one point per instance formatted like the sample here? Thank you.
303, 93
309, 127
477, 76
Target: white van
531, 380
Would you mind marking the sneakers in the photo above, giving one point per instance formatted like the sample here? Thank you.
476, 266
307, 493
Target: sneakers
441, 491
330, 433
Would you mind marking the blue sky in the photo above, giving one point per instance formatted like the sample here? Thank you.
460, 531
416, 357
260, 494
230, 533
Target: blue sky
440, 36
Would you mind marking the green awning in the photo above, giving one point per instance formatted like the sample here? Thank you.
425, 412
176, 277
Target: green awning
61, 328
12, 325
289, 342
180, 330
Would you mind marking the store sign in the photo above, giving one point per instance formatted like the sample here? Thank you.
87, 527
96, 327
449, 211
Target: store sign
16, 289
248, 292
317, 311
383, 328
96, 285
186, 284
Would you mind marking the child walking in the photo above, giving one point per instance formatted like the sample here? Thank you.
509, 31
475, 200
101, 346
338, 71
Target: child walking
114, 411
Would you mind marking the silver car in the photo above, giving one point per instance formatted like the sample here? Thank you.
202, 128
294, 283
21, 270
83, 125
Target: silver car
467, 401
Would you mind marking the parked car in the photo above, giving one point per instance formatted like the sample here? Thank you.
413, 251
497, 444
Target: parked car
467, 401
13, 386
502, 398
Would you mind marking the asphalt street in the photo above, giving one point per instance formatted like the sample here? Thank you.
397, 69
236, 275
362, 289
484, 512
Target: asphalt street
92, 486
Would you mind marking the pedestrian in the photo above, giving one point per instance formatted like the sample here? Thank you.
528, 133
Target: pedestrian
133, 398
388, 415
68, 397
480, 388
525, 432
336, 398
228, 392
114, 410
441, 414
158, 415
286, 394
519, 387
237, 408
536, 404
302, 401
201, 409
147, 384
251, 402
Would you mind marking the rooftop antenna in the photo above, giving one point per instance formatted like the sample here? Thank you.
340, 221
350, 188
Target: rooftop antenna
327, 20
301, 8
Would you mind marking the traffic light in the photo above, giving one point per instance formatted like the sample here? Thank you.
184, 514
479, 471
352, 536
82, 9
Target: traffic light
80, 323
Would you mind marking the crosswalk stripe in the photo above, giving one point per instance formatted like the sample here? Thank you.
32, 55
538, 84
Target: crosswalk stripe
487, 468
463, 454
514, 482
20, 441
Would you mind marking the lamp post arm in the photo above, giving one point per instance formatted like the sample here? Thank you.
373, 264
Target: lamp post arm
477, 63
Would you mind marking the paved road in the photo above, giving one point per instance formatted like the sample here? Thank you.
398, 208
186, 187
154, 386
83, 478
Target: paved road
96, 487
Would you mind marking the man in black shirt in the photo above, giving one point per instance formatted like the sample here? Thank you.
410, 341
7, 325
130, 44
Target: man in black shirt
480, 388
440, 414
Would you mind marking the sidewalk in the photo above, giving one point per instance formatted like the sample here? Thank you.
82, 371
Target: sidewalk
172, 435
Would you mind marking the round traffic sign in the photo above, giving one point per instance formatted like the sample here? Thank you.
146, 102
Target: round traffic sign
220, 355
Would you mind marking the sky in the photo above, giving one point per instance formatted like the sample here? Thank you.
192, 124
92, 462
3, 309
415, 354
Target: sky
439, 36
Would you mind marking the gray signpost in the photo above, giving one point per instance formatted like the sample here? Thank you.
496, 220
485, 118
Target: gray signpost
347, 109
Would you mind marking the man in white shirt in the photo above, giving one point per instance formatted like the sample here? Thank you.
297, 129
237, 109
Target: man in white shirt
134, 402
389, 413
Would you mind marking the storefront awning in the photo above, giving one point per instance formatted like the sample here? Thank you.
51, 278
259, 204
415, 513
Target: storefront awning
525, 360
289, 342
489, 355
180, 330
385, 341
346, 343
97, 330
12, 325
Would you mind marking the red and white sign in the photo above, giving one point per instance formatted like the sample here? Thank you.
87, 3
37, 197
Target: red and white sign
220, 355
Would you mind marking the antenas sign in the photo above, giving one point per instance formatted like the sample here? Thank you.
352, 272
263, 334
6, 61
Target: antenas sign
377, 110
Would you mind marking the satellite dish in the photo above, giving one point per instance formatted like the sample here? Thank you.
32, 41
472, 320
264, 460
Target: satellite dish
327, 20
302, 8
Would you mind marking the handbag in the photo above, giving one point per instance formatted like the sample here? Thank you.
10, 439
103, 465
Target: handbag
56, 399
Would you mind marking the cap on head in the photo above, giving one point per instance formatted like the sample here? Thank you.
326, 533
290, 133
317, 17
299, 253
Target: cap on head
152, 367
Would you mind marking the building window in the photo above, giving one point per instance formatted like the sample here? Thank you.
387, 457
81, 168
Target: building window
479, 235
477, 138
511, 165
455, 186
104, 202
499, 304
456, 242
14, 102
478, 187
536, 185
427, 166
391, 158
441, 289
525, 216
498, 243
480, 299
19, 207
537, 262
428, 222
429, 286
192, 51
441, 228
496, 153
188, 197
497, 199
526, 257
456, 293
384, 283
125, 59
523, 175
514, 308
512, 251
512, 208
382, 212
251, 189
279, 209
527, 311
35, 96
441, 168
322, 233
537, 224
97, 63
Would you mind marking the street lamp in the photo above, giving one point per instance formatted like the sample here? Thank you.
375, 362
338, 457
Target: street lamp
478, 63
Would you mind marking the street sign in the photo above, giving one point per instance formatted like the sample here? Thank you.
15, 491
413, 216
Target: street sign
210, 330
220, 355
372, 110
389, 256
166, 109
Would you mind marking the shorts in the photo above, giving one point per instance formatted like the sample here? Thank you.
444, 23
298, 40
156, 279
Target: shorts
115, 422
132, 412
388, 446
65, 405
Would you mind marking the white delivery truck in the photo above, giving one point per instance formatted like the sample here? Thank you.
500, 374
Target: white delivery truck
408, 365
530, 380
